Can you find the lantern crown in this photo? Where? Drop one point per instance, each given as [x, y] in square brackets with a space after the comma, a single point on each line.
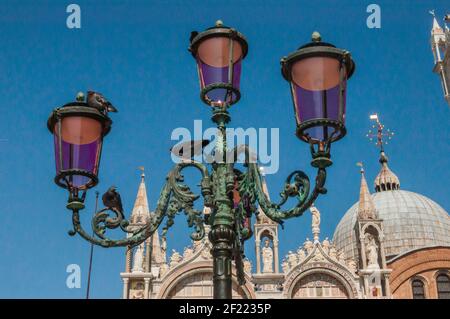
[218, 30]
[317, 48]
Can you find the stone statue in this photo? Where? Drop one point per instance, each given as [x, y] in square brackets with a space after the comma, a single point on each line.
[285, 266]
[332, 252]
[188, 252]
[175, 258]
[247, 266]
[326, 245]
[315, 222]
[292, 259]
[137, 294]
[308, 245]
[301, 254]
[352, 265]
[267, 254]
[138, 259]
[372, 252]
[196, 244]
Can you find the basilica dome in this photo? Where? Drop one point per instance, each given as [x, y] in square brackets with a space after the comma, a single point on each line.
[410, 220]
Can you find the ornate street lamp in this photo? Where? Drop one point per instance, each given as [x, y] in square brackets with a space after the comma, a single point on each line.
[219, 52]
[78, 132]
[317, 73]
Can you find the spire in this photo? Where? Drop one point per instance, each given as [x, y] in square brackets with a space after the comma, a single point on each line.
[366, 208]
[141, 215]
[437, 40]
[262, 218]
[436, 27]
[141, 212]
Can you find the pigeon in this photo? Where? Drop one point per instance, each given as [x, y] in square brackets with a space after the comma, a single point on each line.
[98, 101]
[189, 149]
[112, 200]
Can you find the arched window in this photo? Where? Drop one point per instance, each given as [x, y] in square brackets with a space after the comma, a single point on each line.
[443, 286]
[418, 289]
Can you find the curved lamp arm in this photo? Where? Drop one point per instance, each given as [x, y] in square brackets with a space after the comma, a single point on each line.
[297, 185]
[175, 197]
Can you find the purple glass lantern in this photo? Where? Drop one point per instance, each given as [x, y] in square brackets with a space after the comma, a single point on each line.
[219, 52]
[78, 132]
[318, 74]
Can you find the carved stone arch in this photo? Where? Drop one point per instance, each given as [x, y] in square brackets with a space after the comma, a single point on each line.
[302, 271]
[266, 232]
[193, 269]
[375, 226]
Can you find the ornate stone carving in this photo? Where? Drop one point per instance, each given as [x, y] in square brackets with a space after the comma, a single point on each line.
[163, 270]
[301, 254]
[328, 268]
[206, 251]
[197, 244]
[247, 266]
[308, 245]
[188, 252]
[332, 252]
[351, 264]
[138, 259]
[285, 266]
[175, 258]
[341, 256]
[317, 256]
[137, 294]
[326, 246]
[292, 259]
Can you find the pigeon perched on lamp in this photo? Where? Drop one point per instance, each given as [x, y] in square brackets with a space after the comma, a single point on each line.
[112, 200]
[98, 101]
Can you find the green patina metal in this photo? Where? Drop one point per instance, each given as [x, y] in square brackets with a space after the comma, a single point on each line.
[228, 231]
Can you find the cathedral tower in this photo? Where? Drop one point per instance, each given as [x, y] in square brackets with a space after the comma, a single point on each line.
[267, 278]
[142, 262]
[440, 45]
[370, 234]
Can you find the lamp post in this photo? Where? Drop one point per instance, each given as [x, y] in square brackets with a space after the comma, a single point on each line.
[317, 73]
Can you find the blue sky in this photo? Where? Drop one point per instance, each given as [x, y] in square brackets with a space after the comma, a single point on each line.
[135, 52]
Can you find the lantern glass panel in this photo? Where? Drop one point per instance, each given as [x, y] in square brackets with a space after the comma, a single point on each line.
[80, 148]
[213, 58]
[316, 93]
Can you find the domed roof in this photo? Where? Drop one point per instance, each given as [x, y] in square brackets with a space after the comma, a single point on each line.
[410, 221]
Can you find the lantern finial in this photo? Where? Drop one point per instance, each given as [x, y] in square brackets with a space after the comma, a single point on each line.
[219, 23]
[316, 37]
[80, 97]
